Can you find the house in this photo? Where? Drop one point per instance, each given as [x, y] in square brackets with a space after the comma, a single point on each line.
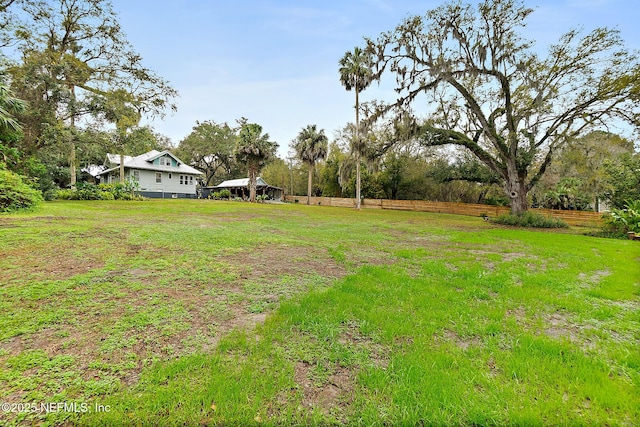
[159, 174]
[240, 188]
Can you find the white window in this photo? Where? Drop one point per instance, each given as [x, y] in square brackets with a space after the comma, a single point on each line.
[190, 180]
[181, 180]
[158, 177]
[136, 176]
[165, 161]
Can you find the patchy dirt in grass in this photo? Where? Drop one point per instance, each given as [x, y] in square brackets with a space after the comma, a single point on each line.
[378, 354]
[560, 326]
[482, 254]
[463, 343]
[519, 314]
[129, 318]
[46, 262]
[271, 262]
[8, 223]
[333, 396]
[81, 252]
[328, 387]
[592, 279]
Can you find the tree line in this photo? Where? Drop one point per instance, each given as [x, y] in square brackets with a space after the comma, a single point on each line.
[597, 168]
[481, 115]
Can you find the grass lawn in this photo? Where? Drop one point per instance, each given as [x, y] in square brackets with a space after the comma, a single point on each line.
[188, 312]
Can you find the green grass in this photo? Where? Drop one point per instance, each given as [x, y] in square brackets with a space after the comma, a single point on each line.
[221, 313]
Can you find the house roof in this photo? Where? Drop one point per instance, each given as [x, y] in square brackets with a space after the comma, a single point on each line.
[94, 170]
[162, 153]
[242, 182]
[114, 159]
[145, 162]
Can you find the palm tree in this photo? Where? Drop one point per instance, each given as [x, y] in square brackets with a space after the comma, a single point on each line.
[355, 73]
[254, 149]
[310, 146]
[9, 107]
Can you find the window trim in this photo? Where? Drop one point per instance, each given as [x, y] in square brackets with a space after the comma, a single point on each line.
[158, 177]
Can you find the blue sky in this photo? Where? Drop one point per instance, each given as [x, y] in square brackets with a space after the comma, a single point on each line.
[276, 62]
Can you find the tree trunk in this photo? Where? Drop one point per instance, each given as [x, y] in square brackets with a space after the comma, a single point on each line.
[252, 183]
[72, 154]
[121, 168]
[516, 191]
[358, 180]
[357, 148]
[72, 162]
[309, 184]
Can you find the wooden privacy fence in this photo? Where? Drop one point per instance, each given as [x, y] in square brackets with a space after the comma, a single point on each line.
[570, 217]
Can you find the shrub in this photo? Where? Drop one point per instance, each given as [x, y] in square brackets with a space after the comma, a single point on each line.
[65, 194]
[105, 195]
[624, 220]
[117, 190]
[225, 194]
[530, 219]
[88, 191]
[15, 194]
[215, 195]
[566, 195]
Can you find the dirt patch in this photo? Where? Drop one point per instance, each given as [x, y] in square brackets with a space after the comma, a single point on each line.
[594, 278]
[334, 393]
[559, 327]
[481, 254]
[378, 354]
[131, 317]
[463, 343]
[519, 315]
[230, 217]
[139, 272]
[269, 262]
[492, 367]
[48, 263]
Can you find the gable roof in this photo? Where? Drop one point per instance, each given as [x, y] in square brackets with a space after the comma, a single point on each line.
[145, 162]
[114, 159]
[162, 153]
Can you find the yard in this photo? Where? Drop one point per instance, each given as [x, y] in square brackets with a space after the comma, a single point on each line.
[190, 312]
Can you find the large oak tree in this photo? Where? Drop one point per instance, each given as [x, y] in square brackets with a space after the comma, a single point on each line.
[483, 87]
[209, 148]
